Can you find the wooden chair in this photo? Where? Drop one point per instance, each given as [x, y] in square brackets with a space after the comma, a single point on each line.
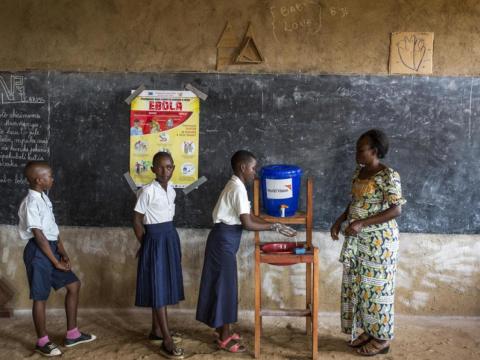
[310, 259]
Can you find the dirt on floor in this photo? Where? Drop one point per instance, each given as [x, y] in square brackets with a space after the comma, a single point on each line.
[123, 335]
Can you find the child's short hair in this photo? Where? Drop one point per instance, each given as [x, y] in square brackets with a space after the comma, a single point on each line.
[31, 166]
[240, 157]
[34, 163]
[378, 140]
[160, 155]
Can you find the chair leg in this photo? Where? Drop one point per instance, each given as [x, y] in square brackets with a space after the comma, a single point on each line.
[258, 302]
[308, 297]
[315, 305]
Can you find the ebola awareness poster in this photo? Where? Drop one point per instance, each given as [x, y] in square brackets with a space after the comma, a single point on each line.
[164, 121]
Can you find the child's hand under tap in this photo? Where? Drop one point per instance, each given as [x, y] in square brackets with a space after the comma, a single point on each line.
[283, 229]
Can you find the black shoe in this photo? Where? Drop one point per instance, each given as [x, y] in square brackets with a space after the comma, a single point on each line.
[49, 349]
[83, 338]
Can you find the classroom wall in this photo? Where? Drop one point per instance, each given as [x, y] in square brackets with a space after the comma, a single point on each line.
[438, 274]
[319, 36]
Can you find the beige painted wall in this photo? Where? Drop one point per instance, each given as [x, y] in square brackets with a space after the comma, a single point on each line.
[318, 36]
[438, 274]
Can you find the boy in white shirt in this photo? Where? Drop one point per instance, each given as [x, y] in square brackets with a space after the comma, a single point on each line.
[46, 260]
[218, 296]
[159, 274]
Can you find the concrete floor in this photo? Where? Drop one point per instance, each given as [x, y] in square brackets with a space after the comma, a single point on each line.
[122, 335]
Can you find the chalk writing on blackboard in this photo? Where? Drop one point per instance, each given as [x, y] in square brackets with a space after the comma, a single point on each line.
[22, 138]
[12, 90]
[24, 130]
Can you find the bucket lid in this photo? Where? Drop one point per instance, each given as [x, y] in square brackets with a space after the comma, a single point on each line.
[281, 169]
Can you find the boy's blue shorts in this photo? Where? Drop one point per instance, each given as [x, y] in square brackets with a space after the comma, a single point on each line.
[41, 273]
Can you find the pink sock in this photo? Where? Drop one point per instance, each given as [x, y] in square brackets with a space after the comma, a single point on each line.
[42, 341]
[73, 334]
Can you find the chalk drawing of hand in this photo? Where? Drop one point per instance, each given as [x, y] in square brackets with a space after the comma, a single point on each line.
[411, 51]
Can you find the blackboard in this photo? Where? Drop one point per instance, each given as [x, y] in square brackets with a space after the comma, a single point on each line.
[79, 122]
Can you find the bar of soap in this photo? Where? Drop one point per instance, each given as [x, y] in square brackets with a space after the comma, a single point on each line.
[299, 251]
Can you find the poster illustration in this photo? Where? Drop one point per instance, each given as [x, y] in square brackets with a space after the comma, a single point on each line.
[164, 121]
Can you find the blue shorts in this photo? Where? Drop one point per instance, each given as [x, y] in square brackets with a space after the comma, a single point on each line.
[41, 273]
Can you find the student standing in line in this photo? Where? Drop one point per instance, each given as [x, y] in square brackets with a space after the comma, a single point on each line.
[369, 253]
[46, 260]
[218, 299]
[159, 274]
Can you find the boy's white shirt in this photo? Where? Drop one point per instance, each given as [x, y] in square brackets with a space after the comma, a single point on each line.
[36, 212]
[155, 203]
[233, 202]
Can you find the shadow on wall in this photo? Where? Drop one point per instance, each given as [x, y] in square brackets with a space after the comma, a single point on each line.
[6, 295]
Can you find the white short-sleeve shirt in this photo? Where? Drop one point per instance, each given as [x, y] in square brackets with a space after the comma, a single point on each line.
[36, 212]
[155, 203]
[233, 202]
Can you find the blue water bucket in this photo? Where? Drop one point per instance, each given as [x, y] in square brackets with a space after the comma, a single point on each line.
[280, 189]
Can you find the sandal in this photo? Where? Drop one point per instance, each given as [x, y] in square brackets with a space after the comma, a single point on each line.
[373, 347]
[176, 334]
[359, 341]
[157, 340]
[175, 353]
[231, 345]
[234, 336]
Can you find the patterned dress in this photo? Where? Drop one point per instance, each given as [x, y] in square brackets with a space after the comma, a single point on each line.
[370, 258]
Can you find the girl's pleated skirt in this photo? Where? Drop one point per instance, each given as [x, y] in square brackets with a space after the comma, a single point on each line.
[159, 274]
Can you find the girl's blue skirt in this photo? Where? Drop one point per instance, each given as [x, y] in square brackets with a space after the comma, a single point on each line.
[218, 297]
[159, 274]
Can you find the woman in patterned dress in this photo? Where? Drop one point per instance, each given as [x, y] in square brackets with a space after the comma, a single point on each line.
[369, 253]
